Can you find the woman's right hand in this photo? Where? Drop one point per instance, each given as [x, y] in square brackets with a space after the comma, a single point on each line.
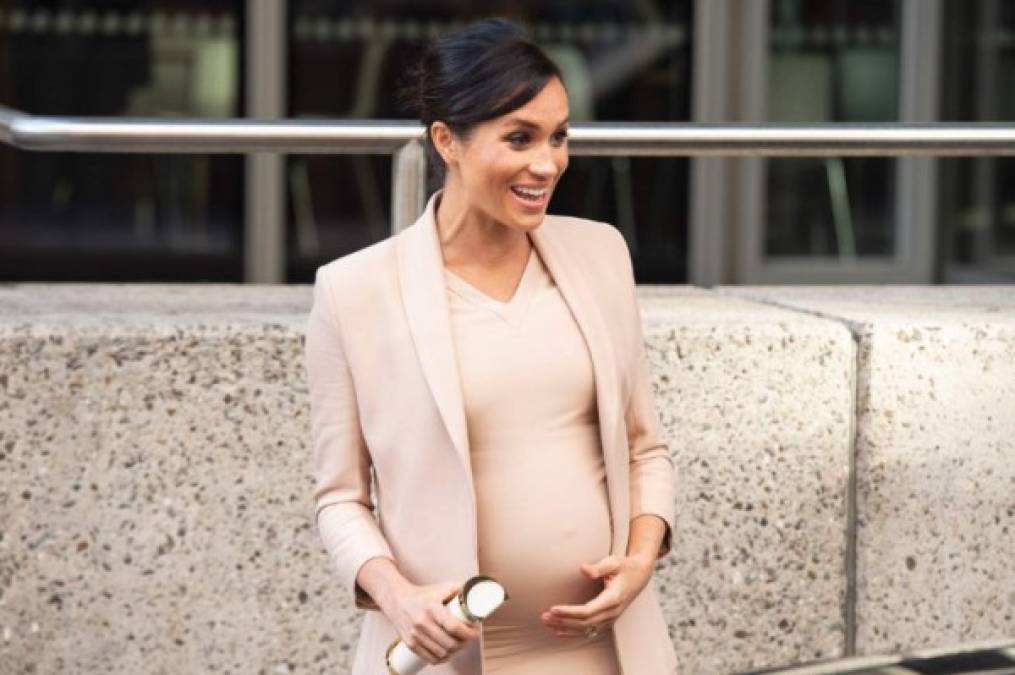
[425, 624]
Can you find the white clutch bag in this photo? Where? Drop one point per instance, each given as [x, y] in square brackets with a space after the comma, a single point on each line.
[478, 599]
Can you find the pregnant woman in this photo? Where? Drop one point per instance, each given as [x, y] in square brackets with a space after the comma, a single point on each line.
[487, 364]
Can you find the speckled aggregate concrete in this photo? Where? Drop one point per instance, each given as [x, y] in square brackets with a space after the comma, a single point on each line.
[154, 484]
[155, 481]
[756, 403]
[935, 458]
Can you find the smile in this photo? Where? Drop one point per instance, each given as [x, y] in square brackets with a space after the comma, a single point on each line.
[531, 198]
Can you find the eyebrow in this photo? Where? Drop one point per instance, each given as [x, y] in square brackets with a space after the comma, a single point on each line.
[532, 125]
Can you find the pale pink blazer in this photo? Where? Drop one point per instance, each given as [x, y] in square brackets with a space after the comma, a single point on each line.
[385, 393]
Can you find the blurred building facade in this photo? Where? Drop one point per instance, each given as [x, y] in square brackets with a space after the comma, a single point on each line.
[105, 217]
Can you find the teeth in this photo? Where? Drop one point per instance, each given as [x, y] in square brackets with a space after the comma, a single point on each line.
[529, 192]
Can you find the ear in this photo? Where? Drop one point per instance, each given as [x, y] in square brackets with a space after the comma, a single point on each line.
[444, 141]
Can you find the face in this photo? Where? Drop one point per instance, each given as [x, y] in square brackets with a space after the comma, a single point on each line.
[509, 166]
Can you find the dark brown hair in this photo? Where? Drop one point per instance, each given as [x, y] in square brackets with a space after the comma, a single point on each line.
[480, 72]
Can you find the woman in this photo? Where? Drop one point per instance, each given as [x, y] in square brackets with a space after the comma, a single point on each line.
[487, 363]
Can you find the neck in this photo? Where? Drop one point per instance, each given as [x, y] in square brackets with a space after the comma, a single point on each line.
[469, 237]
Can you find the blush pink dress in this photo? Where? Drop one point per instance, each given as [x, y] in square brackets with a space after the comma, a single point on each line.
[537, 461]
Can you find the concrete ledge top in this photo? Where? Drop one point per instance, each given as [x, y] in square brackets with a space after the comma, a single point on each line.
[94, 307]
[891, 303]
[694, 306]
[84, 307]
[156, 308]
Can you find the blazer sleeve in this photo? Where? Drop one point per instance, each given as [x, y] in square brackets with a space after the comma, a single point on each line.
[344, 512]
[651, 467]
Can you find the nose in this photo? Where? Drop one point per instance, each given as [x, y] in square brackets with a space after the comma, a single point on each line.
[544, 164]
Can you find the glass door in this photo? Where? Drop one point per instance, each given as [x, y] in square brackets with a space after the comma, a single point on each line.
[977, 194]
[121, 217]
[837, 219]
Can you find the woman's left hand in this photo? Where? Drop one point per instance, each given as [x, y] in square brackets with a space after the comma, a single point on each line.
[623, 578]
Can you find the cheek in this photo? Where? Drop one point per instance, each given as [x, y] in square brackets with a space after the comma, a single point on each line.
[500, 169]
[562, 160]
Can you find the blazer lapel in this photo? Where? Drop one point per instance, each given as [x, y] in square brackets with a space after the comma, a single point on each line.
[421, 278]
[574, 283]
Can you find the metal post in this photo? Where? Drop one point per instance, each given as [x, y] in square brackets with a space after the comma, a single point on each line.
[916, 208]
[408, 185]
[751, 202]
[988, 70]
[709, 215]
[264, 227]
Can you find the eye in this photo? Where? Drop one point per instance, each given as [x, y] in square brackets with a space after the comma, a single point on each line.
[521, 138]
[518, 138]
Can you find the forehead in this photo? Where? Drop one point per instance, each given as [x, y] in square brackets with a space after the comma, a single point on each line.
[548, 108]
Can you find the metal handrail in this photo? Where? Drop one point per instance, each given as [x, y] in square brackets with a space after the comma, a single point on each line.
[660, 139]
[402, 140]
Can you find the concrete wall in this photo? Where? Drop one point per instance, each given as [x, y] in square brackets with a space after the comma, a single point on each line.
[155, 476]
[934, 454]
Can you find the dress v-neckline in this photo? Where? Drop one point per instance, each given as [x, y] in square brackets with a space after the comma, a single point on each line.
[512, 310]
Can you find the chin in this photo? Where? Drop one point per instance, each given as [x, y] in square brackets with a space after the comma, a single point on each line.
[526, 219]
[529, 221]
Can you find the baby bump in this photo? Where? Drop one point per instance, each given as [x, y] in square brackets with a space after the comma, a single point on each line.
[543, 510]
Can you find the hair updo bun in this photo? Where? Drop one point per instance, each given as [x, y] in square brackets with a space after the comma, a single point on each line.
[483, 71]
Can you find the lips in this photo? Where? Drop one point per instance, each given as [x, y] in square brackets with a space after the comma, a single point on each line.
[531, 197]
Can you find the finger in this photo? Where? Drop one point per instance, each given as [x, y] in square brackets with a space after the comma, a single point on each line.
[436, 632]
[560, 631]
[424, 648]
[604, 567]
[554, 622]
[571, 633]
[602, 602]
[450, 592]
[459, 629]
[581, 625]
[565, 633]
[425, 640]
